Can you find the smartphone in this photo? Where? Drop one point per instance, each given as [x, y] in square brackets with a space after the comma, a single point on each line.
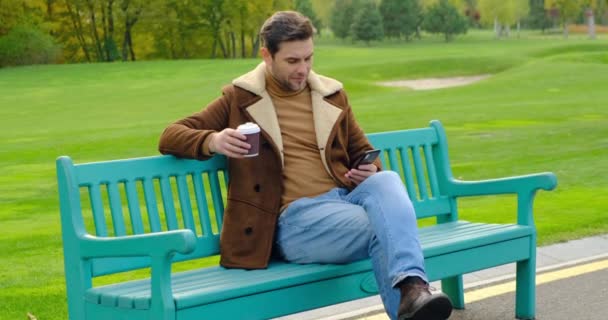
[367, 158]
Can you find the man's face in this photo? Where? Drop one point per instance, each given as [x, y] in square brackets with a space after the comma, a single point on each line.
[291, 64]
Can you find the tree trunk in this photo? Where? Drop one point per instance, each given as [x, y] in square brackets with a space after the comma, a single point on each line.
[497, 28]
[131, 46]
[110, 36]
[77, 24]
[222, 46]
[255, 45]
[130, 21]
[233, 40]
[100, 53]
[50, 9]
[590, 22]
[104, 28]
[125, 43]
[214, 49]
[565, 30]
[243, 49]
[518, 29]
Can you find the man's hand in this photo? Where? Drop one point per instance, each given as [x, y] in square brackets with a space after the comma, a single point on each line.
[229, 142]
[364, 171]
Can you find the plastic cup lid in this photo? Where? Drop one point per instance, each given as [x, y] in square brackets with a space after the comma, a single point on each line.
[248, 127]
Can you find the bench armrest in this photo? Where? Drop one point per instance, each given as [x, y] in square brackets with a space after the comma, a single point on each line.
[160, 247]
[517, 184]
[149, 244]
[524, 186]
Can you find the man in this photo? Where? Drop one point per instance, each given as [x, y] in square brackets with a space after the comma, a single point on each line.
[300, 197]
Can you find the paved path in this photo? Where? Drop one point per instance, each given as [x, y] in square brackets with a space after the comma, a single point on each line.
[550, 260]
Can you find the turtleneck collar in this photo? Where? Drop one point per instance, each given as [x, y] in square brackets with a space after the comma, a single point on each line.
[275, 88]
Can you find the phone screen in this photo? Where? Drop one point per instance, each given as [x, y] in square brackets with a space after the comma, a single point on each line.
[367, 158]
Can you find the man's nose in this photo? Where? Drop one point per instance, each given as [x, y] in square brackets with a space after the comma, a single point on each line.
[302, 67]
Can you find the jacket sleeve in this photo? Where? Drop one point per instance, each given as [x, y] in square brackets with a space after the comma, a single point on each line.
[357, 140]
[185, 138]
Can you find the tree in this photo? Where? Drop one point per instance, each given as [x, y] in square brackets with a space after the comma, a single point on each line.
[568, 11]
[367, 25]
[342, 18]
[400, 17]
[589, 7]
[213, 15]
[323, 10]
[503, 13]
[305, 8]
[444, 18]
[538, 17]
[131, 10]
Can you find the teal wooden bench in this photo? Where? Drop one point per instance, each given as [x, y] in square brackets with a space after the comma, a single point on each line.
[151, 212]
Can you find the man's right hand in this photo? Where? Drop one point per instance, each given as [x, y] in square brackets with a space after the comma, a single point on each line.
[229, 142]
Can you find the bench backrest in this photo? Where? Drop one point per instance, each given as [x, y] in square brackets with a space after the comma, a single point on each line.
[142, 195]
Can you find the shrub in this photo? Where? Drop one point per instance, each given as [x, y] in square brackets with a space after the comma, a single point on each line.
[367, 25]
[444, 18]
[25, 45]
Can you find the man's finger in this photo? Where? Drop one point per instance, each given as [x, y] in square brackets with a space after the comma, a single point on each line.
[240, 143]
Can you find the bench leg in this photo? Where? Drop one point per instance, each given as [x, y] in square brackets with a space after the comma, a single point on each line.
[525, 303]
[453, 287]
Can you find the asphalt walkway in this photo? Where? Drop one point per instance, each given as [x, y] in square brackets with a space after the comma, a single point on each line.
[572, 283]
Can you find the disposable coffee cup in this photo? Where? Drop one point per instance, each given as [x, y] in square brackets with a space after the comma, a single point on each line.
[252, 132]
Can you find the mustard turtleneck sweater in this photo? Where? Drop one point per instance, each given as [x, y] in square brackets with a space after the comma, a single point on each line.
[303, 174]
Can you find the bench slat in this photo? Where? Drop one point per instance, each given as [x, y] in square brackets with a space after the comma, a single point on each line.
[101, 229]
[420, 177]
[184, 200]
[168, 206]
[151, 205]
[430, 162]
[118, 221]
[407, 174]
[216, 193]
[134, 210]
[201, 204]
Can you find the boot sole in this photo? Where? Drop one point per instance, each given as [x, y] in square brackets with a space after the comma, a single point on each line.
[437, 308]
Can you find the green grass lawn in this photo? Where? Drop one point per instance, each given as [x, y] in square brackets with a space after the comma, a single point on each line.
[545, 108]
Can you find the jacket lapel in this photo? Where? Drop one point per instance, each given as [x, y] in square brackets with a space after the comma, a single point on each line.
[325, 116]
[264, 114]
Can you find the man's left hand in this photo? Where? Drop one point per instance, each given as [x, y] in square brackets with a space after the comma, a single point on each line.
[364, 171]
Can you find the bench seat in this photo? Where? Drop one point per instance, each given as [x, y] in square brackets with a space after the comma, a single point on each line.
[214, 284]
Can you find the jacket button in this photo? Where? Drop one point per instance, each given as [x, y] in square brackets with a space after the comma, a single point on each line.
[248, 230]
[257, 188]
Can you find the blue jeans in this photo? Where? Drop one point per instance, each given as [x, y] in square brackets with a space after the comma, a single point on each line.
[374, 220]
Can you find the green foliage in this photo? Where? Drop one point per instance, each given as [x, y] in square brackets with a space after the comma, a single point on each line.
[568, 9]
[400, 17]
[538, 17]
[305, 8]
[505, 12]
[342, 15]
[367, 25]
[19, 12]
[25, 45]
[444, 18]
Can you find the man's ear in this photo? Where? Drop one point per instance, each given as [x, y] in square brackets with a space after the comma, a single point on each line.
[265, 53]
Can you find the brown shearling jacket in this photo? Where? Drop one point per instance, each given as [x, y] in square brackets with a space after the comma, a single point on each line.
[254, 191]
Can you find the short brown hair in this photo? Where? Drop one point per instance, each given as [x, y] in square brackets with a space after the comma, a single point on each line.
[284, 26]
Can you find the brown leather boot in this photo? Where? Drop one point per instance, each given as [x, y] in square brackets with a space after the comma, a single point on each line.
[417, 302]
